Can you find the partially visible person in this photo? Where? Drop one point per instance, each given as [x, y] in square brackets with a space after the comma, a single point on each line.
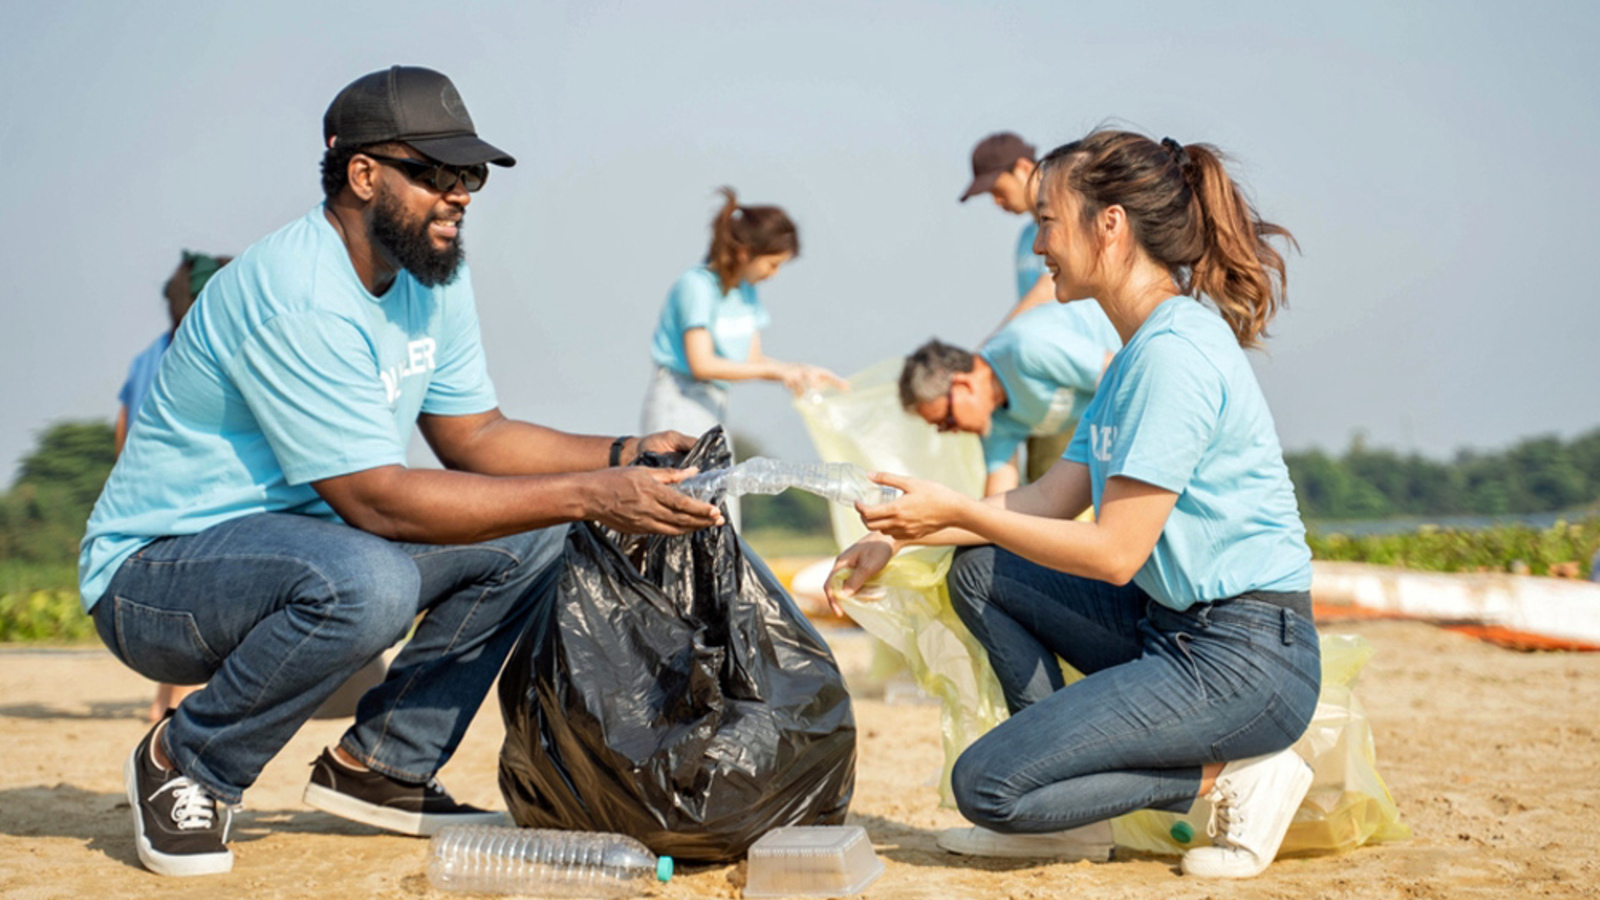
[181, 290]
[709, 331]
[1032, 379]
[1186, 601]
[1003, 167]
[261, 531]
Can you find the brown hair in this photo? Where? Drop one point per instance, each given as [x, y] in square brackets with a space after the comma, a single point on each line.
[741, 232]
[1188, 215]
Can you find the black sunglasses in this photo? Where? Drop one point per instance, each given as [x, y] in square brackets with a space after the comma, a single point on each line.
[438, 176]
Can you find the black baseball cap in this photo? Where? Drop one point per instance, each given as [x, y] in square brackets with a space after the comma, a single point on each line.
[411, 105]
[994, 155]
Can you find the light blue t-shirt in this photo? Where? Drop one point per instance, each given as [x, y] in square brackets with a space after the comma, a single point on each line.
[697, 301]
[141, 372]
[1030, 266]
[1049, 361]
[1180, 409]
[285, 372]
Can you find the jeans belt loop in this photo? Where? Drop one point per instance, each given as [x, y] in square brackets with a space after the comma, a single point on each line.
[1288, 625]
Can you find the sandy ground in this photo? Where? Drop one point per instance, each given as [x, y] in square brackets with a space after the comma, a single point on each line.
[1492, 755]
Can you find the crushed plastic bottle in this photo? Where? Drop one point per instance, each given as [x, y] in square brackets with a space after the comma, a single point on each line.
[839, 482]
[542, 862]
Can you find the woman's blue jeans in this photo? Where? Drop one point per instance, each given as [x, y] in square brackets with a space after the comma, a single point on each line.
[1164, 693]
[276, 611]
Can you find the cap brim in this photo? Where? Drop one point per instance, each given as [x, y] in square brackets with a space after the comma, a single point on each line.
[461, 150]
[980, 185]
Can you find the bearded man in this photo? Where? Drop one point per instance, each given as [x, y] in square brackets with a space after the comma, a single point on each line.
[262, 533]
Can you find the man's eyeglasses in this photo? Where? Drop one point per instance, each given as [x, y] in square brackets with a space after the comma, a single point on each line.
[440, 177]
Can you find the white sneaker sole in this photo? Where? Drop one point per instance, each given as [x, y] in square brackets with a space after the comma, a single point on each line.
[153, 859]
[396, 820]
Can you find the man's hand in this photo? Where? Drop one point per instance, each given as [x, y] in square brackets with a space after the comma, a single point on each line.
[859, 563]
[636, 500]
[660, 442]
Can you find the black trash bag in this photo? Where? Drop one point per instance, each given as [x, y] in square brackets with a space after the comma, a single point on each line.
[674, 693]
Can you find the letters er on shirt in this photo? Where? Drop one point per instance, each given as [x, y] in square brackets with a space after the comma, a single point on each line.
[419, 361]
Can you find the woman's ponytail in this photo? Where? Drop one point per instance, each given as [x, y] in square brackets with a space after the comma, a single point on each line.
[1238, 269]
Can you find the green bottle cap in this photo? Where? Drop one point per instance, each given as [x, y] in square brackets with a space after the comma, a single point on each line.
[1182, 832]
[664, 869]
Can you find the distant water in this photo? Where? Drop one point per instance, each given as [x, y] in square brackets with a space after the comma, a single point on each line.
[1406, 524]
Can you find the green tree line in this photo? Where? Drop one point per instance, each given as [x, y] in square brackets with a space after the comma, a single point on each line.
[42, 516]
[1539, 474]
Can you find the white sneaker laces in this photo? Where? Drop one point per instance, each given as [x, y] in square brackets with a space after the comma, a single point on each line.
[1226, 816]
[192, 808]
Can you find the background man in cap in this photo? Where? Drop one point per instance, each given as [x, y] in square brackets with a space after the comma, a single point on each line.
[1002, 167]
[261, 529]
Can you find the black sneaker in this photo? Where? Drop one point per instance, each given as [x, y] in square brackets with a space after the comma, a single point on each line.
[375, 799]
[179, 828]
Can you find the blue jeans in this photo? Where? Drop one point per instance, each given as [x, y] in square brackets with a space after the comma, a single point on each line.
[276, 611]
[1164, 693]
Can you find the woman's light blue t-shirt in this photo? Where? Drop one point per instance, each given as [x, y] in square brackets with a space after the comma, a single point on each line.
[1049, 361]
[1179, 408]
[285, 372]
[697, 301]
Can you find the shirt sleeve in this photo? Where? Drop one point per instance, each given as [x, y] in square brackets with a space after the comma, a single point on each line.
[1004, 436]
[693, 297]
[1167, 415]
[460, 383]
[311, 381]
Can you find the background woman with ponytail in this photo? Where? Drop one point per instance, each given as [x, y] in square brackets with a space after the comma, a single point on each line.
[1186, 601]
[709, 332]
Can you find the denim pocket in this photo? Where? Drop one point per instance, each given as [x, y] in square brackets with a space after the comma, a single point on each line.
[162, 644]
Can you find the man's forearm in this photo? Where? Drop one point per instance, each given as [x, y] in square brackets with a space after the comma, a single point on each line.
[510, 447]
[443, 507]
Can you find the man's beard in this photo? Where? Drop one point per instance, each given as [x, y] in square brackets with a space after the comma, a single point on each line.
[412, 246]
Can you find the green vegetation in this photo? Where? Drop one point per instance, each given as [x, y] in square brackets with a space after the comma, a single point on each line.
[1564, 549]
[1536, 475]
[41, 522]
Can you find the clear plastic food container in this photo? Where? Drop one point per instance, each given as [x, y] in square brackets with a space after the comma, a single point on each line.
[812, 861]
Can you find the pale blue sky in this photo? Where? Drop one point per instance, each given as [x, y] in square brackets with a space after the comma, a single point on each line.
[1437, 163]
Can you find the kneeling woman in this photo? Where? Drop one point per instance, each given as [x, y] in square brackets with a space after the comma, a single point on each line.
[1186, 601]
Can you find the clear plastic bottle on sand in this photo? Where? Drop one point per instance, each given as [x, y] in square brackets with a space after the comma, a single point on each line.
[839, 482]
[542, 863]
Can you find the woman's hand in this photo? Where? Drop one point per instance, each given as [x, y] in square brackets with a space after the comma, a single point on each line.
[924, 508]
[859, 563]
[800, 378]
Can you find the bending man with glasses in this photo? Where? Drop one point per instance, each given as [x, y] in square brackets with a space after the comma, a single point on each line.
[261, 531]
[1034, 378]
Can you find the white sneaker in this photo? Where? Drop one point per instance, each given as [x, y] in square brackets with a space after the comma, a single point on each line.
[1252, 803]
[1092, 842]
